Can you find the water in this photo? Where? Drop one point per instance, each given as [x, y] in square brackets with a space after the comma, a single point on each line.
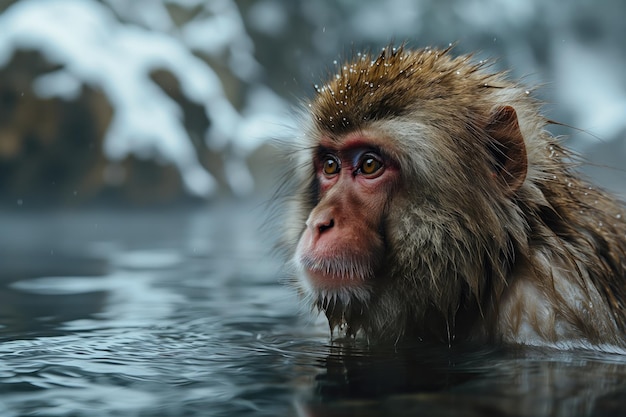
[108, 313]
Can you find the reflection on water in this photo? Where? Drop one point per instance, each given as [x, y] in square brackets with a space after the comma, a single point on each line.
[427, 380]
[183, 313]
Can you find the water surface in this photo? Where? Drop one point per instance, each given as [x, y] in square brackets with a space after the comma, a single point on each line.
[183, 313]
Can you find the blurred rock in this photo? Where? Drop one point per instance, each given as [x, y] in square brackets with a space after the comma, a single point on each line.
[51, 149]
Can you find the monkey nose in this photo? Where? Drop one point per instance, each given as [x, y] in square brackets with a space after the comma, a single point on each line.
[319, 224]
[323, 226]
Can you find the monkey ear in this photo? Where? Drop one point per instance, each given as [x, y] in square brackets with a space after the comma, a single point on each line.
[508, 149]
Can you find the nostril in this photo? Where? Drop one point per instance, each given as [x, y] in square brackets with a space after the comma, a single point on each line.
[328, 225]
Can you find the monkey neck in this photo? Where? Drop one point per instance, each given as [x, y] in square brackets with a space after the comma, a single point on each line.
[568, 280]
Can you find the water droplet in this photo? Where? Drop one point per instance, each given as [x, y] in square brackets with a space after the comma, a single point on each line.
[371, 85]
[335, 62]
[619, 216]
[458, 73]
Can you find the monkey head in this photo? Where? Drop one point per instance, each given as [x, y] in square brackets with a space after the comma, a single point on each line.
[422, 186]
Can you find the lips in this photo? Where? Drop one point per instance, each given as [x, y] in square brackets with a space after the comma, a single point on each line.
[331, 279]
[335, 272]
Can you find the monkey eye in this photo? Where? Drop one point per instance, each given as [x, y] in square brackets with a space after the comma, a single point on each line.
[370, 165]
[331, 165]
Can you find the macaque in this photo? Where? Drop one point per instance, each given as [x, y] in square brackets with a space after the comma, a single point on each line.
[432, 204]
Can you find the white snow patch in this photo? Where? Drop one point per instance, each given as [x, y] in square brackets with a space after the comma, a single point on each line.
[95, 49]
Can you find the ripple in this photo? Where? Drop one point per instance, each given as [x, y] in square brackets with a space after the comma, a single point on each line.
[156, 330]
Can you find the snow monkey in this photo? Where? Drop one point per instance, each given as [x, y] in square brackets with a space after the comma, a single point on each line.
[431, 203]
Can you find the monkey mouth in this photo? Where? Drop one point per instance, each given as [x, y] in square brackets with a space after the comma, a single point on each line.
[335, 274]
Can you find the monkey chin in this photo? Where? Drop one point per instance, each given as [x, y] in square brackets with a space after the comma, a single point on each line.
[335, 286]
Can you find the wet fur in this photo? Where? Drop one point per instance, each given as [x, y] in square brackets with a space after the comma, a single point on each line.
[464, 260]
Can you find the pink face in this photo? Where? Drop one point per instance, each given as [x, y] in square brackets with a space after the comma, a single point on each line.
[342, 245]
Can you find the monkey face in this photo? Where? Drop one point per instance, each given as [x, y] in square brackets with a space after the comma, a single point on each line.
[392, 226]
[341, 248]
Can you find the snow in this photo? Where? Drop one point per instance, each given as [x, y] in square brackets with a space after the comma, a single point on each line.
[113, 46]
[96, 49]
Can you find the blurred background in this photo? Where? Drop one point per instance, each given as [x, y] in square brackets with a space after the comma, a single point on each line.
[162, 102]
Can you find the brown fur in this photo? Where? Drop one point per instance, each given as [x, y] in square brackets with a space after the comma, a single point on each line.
[536, 256]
